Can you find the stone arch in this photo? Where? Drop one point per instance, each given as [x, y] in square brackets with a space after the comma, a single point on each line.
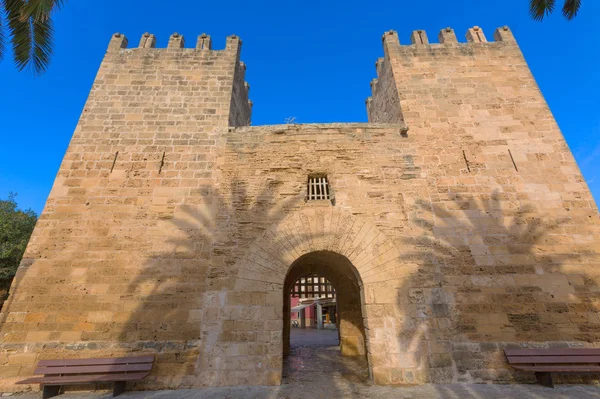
[346, 280]
[309, 230]
[251, 311]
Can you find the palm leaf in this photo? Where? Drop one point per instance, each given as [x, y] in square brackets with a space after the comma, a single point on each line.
[42, 45]
[20, 31]
[40, 10]
[570, 8]
[31, 37]
[2, 37]
[538, 9]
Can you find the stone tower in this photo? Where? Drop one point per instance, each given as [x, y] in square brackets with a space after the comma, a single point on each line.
[455, 223]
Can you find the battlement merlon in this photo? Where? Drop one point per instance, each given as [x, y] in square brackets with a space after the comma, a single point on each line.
[147, 40]
[504, 34]
[204, 42]
[117, 42]
[447, 38]
[176, 41]
[419, 38]
[234, 44]
[390, 41]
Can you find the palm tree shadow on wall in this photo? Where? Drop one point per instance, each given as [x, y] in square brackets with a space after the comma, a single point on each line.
[164, 304]
[162, 307]
[488, 278]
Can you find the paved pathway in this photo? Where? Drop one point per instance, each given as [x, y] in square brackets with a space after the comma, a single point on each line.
[315, 359]
[311, 336]
[336, 390]
[315, 370]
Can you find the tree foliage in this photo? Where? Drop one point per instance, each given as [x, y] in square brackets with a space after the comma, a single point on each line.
[28, 25]
[16, 226]
[541, 8]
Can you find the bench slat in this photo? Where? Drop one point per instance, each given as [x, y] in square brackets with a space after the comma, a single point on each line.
[552, 352]
[545, 362]
[560, 369]
[110, 368]
[96, 362]
[84, 379]
[553, 359]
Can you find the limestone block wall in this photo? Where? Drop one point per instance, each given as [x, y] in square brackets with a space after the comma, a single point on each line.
[488, 235]
[106, 272]
[266, 225]
[507, 233]
[384, 105]
[241, 107]
[458, 259]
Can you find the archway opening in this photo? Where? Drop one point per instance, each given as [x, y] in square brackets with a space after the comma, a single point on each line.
[314, 317]
[323, 327]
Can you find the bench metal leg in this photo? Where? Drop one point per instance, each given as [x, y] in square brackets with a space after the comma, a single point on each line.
[118, 388]
[544, 379]
[49, 391]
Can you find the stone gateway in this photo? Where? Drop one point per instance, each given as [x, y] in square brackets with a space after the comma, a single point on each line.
[454, 224]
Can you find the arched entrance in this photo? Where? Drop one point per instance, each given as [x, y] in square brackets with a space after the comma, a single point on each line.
[344, 278]
[246, 325]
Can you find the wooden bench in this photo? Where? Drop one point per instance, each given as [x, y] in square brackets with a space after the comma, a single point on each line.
[544, 362]
[117, 370]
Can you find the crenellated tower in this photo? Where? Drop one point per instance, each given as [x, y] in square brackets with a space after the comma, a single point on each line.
[145, 151]
[416, 79]
[200, 84]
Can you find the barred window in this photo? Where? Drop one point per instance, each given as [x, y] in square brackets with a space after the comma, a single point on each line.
[318, 188]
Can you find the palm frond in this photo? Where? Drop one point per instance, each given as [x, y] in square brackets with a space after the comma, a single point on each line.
[42, 45]
[20, 31]
[570, 9]
[40, 10]
[538, 9]
[31, 37]
[2, 37]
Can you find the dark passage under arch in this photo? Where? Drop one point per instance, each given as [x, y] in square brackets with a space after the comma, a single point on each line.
[348, 286]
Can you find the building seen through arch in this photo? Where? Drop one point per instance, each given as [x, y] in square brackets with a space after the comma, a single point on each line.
[313, 303]
[452, 225]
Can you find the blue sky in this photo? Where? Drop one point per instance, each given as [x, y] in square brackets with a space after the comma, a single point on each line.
[312, 60]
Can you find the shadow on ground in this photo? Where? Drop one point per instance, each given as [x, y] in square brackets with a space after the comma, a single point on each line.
[326, 389]
[315, 359]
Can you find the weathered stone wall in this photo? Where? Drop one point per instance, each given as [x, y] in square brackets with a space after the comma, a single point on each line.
[241, 107]
[182, 245]
[106, 271]
[265, 225]
[507, 232]
[384, 105]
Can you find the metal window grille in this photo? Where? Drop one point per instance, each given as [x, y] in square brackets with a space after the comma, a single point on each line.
[312, 286]
[318, 188]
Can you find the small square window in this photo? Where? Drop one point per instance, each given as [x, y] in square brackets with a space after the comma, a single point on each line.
[318, 188]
